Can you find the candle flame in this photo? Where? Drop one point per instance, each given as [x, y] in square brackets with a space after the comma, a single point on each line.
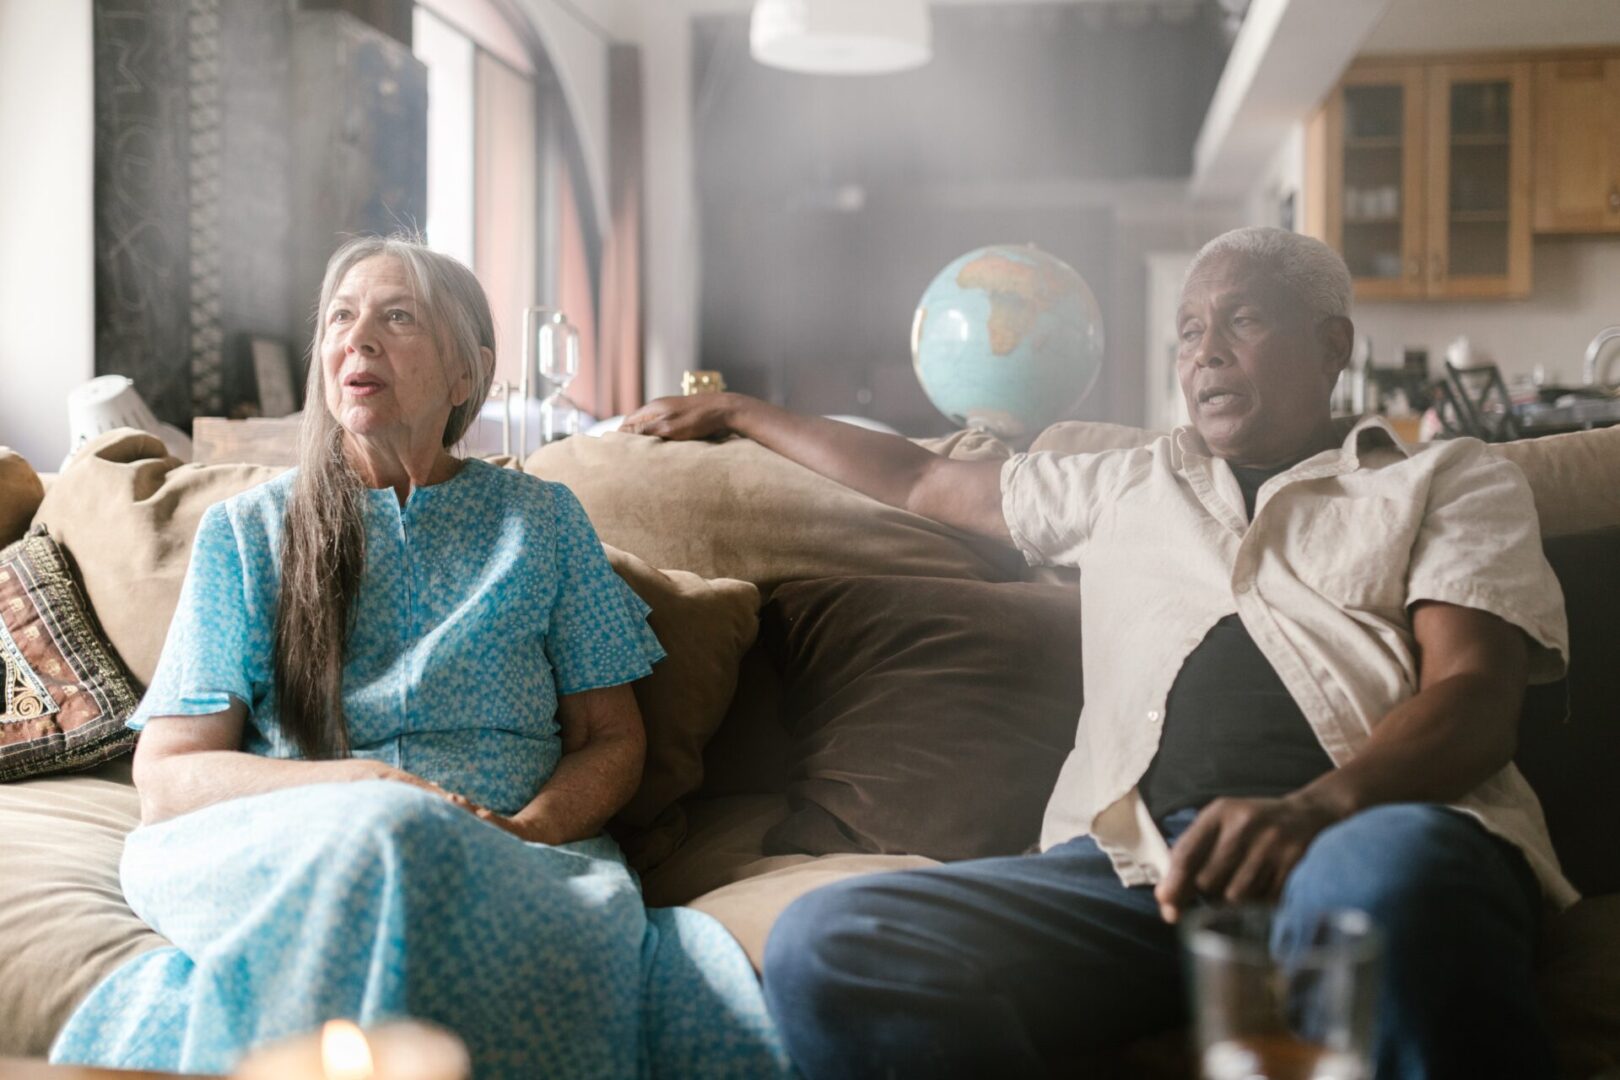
[344, 1053]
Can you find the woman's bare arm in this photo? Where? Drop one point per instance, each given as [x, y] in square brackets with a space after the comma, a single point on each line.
[891, 469]
[183, 763]
[604, 746]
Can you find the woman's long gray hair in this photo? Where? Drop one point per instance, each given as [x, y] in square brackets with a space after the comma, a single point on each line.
[323, 548]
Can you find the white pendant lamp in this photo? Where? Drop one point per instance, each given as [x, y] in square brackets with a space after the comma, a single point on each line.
[841, 37]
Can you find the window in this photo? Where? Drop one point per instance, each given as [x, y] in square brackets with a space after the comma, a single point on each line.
[502, 183]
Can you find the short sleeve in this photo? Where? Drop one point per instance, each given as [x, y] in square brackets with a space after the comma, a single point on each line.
[1479, 546]
[206, 657]
[597, 634]
[1050, 502]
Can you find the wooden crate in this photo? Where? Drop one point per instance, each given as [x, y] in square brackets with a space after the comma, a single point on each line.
[218, 441]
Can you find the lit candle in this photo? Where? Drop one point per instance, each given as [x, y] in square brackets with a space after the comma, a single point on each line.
[344, 1052]
[407, 1050]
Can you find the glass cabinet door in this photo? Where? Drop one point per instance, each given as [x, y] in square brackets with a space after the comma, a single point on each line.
[1376, 147]
[1479, 191]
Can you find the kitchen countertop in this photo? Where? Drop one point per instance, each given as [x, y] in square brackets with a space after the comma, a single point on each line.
[1581, 413]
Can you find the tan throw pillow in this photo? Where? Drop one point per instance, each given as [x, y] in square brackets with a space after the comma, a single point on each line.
[705, 627]
[735, 509]
[64, 696]
[1575, 478]
[126, 512]
[20, 492]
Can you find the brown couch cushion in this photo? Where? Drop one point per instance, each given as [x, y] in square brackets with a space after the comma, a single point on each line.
[723, 844]
[735, 509]
[930, 717]
[64, 696]
[1569, 731]
[749, 754]
[20, 492]
[64, 925]
[705, 626]
[1579, 984]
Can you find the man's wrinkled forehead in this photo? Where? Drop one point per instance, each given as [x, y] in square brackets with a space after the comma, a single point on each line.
[1228, 280]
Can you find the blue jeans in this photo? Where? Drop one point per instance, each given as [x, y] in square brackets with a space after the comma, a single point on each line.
[1017, 966]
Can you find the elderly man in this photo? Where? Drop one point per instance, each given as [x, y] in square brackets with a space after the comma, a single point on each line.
[1305, 647]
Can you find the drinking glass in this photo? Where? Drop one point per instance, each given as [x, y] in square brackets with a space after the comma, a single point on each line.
[1275, 1000]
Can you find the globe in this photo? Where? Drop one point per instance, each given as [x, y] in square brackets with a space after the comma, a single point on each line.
[1007, 339]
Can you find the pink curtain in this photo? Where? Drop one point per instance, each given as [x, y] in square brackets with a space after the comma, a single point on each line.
[621, 307]
[620, 382]
[575, 296]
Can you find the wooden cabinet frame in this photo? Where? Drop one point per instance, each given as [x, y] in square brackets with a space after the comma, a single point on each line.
[1326, 144]
[1516, 281]
[1576, 185]
[1425, 84]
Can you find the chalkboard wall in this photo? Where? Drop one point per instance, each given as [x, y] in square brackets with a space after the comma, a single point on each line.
[237, 142]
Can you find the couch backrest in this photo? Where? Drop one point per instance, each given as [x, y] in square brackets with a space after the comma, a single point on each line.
[735, 509]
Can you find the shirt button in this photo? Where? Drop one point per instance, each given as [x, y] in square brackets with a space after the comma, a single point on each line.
[1153, 716]
[1242, 587]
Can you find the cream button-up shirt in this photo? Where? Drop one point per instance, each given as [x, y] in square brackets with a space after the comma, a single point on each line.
[1324, 578]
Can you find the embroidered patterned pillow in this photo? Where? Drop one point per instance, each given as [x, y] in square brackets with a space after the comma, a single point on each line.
[64, 694]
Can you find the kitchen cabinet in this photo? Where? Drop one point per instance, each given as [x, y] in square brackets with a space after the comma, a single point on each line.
[1419, 174]
[1577, 145]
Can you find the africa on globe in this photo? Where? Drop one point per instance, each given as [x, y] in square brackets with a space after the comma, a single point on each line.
[1007, 339]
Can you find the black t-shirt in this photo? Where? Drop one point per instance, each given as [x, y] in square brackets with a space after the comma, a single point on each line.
[1230, 726]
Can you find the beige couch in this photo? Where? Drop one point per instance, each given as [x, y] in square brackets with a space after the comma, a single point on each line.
[718, 511]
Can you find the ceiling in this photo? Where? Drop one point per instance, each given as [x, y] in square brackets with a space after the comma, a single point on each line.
[1457, 25]
[1407, 25]
[719, 6]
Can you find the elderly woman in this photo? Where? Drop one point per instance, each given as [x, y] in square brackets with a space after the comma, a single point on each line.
[390, 720]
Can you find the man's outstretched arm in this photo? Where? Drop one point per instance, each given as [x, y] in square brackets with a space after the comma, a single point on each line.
[1454, 734]
[891, 469]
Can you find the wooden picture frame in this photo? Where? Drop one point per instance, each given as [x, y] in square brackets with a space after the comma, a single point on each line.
[273, 377]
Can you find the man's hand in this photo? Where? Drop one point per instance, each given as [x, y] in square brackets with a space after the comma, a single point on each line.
[699, 416]
[1239, 850]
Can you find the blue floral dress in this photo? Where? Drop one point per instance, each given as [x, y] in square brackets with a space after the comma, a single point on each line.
[483, 599]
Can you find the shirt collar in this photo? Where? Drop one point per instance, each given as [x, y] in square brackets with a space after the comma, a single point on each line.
[1358, 434]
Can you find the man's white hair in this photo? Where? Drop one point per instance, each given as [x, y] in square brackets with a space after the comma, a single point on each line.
[1312, 268]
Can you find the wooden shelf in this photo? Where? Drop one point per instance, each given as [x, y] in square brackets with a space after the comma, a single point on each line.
[1479, 140]
[1480, 217]
[1392, 220]
[1373, 142]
